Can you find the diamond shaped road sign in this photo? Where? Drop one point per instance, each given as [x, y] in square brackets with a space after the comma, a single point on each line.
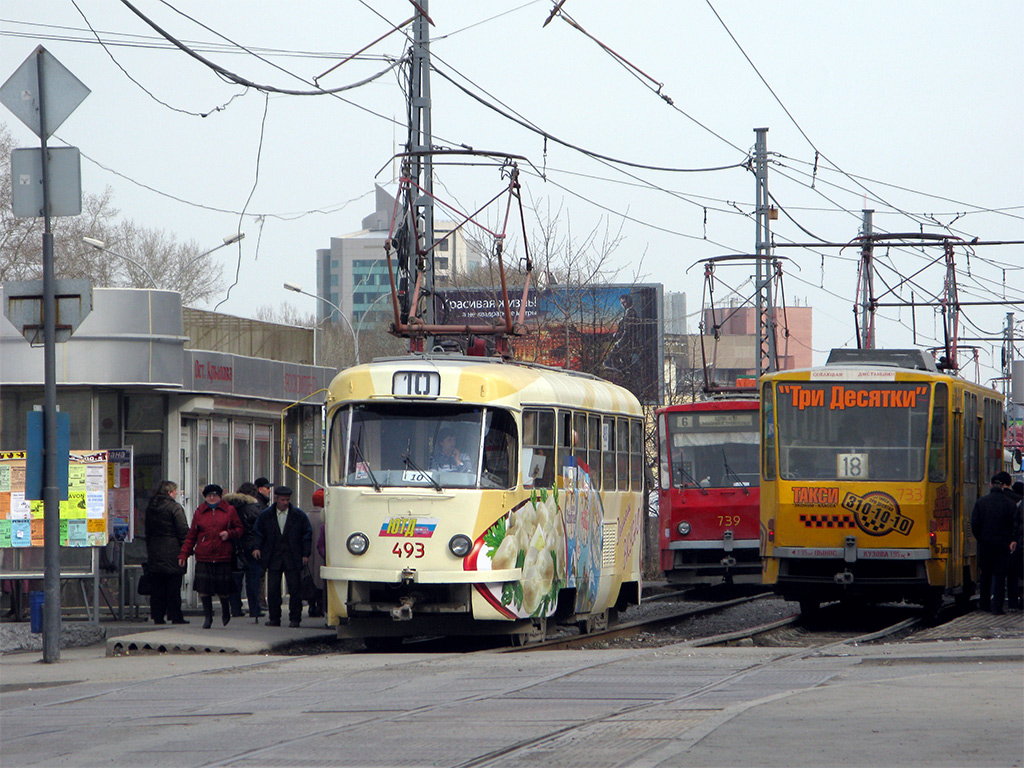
[62, 91]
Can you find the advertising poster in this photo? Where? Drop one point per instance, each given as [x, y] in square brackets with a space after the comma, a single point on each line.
[96, 511]
[611, 331]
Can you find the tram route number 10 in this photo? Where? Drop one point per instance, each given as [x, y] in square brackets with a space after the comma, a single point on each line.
[851, 466]
[416, 383]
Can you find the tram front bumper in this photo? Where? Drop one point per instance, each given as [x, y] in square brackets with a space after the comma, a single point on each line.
[408, 575]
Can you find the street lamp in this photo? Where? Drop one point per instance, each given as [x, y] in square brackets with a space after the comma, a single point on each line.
[295, 287]
[229, 240]
[99, 245]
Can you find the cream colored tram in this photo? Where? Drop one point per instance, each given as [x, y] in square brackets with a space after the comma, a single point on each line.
[537, 520]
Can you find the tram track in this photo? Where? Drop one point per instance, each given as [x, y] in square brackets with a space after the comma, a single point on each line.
[500, 756]
[632, 628]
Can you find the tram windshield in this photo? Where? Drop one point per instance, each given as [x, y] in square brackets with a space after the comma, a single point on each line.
[852, 431]
[422, 445]
[713, 449]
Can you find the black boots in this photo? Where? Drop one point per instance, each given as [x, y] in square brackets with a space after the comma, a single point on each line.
[207, 610]
[225, 609]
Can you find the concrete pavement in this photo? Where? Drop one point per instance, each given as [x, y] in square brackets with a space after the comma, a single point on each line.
[953, 700]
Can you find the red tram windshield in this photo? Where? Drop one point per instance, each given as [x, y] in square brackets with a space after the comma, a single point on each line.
[713, 449]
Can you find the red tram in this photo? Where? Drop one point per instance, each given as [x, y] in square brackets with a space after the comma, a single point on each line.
[709, 494]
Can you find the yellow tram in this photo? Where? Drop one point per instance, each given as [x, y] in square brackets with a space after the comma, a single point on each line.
[470, 495]
[870, 467]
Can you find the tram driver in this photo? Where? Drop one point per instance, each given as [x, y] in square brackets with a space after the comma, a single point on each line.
[447, 455]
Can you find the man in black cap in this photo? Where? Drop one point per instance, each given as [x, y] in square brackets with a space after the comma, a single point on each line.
[282, 541]
[992, 523]
[262, 491]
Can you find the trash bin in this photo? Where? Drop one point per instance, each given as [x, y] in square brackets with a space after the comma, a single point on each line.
[36, 611]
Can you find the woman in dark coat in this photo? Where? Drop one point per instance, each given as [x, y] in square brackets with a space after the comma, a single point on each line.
[166, 529]
[215, 525]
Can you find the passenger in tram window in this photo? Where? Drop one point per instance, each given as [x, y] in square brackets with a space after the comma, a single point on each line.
[447, 454]
[995, 521]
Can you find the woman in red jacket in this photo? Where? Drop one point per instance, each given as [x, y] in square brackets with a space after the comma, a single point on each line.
[214, 525]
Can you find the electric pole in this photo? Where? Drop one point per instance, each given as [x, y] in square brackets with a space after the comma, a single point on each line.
[421, 166]
[866, 337]
[766, 357]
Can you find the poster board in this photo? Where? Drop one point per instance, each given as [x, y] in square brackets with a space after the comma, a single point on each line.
[98, 508]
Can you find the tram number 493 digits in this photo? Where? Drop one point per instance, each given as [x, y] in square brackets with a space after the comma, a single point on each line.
[408, 549]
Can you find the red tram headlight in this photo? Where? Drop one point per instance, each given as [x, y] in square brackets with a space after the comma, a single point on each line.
[357, 543]
[683, 528]
[771, 529]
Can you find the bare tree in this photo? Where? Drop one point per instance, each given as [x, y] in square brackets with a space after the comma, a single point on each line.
[142, 252]
[334, 341]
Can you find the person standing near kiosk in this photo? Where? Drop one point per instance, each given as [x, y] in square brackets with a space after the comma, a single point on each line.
[282, 542]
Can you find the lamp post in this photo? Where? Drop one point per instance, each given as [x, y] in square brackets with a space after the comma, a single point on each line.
[229, 240]
[99, 245]
[296, 288]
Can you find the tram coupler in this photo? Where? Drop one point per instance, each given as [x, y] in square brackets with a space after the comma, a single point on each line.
[850, 551]
[727, 542]
[843, 578]
[403, 612]
[729, 562]
[408, 576]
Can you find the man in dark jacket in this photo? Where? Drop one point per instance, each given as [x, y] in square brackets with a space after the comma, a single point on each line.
[248, 507]
[282, 541]
[992, 522]
[262, 491]
[166, 529]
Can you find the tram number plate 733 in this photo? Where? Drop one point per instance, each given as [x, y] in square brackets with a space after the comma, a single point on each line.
[408, 549]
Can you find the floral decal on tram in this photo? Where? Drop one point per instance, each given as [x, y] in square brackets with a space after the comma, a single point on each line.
[555, 537]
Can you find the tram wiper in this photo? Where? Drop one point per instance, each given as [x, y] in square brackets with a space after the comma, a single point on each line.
[728, 471]
[693, 480]
[413, 466]
[362, 458]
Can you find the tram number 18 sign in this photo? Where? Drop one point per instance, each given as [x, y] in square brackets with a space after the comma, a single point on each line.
[416, 384]
[852, 466]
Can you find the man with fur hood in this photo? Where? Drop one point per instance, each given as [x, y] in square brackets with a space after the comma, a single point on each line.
[247, 505]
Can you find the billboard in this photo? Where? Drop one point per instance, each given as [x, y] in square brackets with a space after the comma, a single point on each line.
[612, 331]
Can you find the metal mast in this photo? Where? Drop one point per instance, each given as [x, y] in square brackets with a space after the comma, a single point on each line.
[766, 356]
[866, 337]
[421, 165]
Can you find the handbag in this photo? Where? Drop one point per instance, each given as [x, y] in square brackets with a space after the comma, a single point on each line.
[308, 588]
[145, 585]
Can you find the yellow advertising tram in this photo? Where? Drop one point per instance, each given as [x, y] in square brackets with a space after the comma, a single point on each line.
[470, 495]
[870, 467]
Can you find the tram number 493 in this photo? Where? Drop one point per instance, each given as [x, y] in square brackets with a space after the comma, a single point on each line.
[408, 549]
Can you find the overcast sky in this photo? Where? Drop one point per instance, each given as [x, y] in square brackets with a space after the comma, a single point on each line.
[913, 109]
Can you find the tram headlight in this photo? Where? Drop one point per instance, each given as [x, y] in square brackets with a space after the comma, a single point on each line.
[460, 544]
[683, 528]
[357, 543]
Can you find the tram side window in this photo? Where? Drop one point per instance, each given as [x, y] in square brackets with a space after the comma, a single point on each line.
[768, 431]
[993, 437]
[970, 439]
[538, 457]
[663, 454]
[636, 454]
[622, 454]
[500, 450]
[579, 437]
[594, 449]
[336, 469]
[937, 448]
[608, 445]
